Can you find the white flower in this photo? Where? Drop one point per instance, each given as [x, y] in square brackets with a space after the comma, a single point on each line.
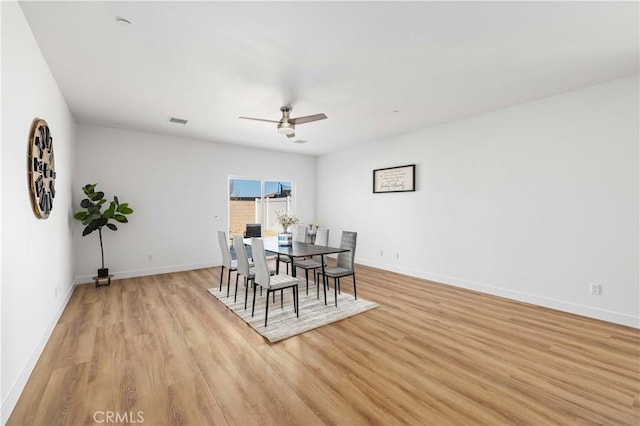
[286, 220]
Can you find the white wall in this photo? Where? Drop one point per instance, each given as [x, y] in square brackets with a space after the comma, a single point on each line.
[178, 189]
[533, 202]
[37, 255]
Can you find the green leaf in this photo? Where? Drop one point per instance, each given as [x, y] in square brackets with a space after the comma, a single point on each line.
[86, 203]
[88, 189]
[115, 198]
[102, 222]
[88, 230]
[124, 207]
[80, 215]
[97, 196]
[110, 211]
[120, 218]
[101, 202]
[112, 226]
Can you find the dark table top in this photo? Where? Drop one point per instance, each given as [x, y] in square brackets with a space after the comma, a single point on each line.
[297, 249]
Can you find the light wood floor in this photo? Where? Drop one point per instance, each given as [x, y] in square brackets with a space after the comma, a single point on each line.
[163, 350]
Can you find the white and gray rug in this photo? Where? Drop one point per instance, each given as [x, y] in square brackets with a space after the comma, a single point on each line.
[283, 322]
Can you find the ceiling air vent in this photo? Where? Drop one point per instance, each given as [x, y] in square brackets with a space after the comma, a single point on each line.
[177, 120]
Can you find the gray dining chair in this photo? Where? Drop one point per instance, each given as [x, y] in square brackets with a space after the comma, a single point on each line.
[244, 267]
[299, 235]
[227, 262]
[344, 265]
[313, 264]
[270, 282]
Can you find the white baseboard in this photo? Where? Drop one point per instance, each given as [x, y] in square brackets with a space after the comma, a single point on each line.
[547, 302]
[83, 279]
[16, 390]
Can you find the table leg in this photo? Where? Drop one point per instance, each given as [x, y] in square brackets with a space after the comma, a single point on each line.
[293, 274]
[324, 277]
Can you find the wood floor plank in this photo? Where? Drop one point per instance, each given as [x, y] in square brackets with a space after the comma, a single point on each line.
[192, 403]
[160, 349]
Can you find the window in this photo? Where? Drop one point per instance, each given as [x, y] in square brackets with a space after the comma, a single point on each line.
[258, 201]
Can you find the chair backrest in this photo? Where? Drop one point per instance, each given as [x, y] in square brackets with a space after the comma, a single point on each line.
[322, 237]
[241, 254]
[348, 241]
[260, 266]
[253, 230]
[224, 249]
[300, 234]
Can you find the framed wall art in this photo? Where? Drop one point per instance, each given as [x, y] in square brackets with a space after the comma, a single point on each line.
[395, 179]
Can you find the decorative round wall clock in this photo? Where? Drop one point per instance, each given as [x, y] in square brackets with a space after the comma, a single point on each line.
[42, 169]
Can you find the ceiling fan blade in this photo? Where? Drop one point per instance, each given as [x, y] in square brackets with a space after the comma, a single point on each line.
[292, 135]
[260, 119]
[307, 118]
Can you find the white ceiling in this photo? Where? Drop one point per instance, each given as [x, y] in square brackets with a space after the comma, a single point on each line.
[433, 62]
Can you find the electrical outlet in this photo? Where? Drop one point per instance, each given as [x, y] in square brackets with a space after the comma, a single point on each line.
[595, 289]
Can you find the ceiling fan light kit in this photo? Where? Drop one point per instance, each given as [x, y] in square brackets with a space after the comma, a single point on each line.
[287, 125]
[286, 128]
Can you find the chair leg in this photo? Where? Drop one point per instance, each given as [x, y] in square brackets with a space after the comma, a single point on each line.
[306, 275]
[221, 274]
[355, 294]
[296, 302]
[281, 298]
[253, 307]
[266, 308]
[325, 284]
[246, 291]
[228, 281]
[335, 289]
[293, 294]
[235, 293]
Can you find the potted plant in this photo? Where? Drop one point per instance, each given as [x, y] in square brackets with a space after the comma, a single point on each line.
[286, 220]
[93, 218]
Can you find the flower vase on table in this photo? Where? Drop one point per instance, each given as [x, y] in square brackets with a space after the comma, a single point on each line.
[286, 220]
[285, 238]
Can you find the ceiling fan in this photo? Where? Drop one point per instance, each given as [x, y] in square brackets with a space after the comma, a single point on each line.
[287, 125]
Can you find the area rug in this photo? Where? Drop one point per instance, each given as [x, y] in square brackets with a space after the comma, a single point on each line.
[283, 322]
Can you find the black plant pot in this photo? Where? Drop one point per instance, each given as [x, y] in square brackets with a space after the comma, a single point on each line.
[104, 272]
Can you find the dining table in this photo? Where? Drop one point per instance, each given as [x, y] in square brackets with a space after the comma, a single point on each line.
[298, 250]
